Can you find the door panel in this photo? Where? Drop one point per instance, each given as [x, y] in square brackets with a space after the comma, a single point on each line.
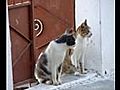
[20, 32]
[56, 16]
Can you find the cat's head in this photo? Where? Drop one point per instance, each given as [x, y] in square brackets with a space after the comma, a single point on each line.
[84, 29]
[68, 37]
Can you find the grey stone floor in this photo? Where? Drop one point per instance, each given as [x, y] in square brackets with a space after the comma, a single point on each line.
[89, 81]
[99, 85]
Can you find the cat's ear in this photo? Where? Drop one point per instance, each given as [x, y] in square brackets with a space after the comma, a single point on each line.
[69, 30]
[85, 22]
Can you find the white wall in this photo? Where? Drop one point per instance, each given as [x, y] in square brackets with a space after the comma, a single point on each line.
[107, 27]
[9, 76]
[89, 9]
[100, 55]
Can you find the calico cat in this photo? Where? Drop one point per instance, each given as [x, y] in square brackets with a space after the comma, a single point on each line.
[68, 67]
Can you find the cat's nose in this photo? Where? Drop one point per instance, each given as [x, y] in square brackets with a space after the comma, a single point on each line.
[90, 34]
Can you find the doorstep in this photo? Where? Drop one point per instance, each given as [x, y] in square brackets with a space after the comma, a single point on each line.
[68, 81]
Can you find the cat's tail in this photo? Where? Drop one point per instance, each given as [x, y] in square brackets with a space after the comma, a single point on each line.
[43, 79]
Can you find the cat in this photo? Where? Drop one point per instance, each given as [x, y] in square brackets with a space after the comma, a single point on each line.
[77, 58]
[74, 59]
[48, 67]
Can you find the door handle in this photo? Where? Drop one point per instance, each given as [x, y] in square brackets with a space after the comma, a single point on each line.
[38, 26]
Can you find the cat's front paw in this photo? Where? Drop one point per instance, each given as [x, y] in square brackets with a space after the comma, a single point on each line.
[56, 83]
[77, 73]
[84, 72]
[49, 82]
[60, 82]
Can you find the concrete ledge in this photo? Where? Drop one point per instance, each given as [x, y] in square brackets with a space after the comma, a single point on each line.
[68, 82]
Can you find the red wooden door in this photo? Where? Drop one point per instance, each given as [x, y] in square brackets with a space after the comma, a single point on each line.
[54, 16]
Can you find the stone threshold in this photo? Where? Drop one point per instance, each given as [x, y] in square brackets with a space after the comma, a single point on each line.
[69, 81]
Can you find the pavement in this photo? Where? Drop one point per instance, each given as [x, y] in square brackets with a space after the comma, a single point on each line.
[99, 85]
[89, 81]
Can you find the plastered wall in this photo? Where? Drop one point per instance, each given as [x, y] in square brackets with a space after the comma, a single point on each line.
[100, 16]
